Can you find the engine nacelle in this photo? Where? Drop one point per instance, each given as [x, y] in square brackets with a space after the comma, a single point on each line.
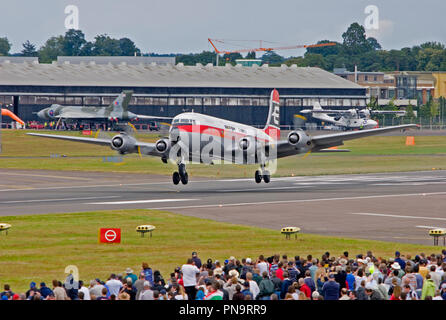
[123, 143]
[299, 139]
[246, 144]
[162, 145]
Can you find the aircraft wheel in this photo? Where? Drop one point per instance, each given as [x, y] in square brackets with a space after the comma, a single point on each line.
[258, 176]
[176, 177]
[182, 169]
[185, 178]
[266, 176]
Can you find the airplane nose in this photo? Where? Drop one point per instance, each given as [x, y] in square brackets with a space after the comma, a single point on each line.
[43, 114]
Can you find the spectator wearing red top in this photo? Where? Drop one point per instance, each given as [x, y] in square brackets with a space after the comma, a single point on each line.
[304, 288]
[279, 271]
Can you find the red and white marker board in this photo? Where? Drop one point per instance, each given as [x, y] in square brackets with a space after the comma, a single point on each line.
[109, 235]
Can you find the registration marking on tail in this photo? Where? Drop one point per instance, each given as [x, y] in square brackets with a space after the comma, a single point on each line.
[142, 201]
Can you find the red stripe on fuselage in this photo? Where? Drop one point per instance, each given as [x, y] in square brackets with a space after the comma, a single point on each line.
[214, 131]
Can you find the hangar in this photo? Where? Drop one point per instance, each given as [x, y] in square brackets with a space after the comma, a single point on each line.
[232, 92]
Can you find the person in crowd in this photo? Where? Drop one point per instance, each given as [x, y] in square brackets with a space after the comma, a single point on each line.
[190, 272]
[266, 287]
[59, 291]
[114, 285]
[330, 290]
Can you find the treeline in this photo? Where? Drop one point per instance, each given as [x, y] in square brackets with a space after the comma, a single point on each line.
[356, 49]
[73, 43]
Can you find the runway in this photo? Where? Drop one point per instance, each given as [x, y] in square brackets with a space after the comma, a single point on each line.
[399, 207]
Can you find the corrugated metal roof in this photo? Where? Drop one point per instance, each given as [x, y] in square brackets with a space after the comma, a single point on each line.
[153, 75]
[116, 59]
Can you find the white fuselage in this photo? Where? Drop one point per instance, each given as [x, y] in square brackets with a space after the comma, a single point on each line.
[200, 133]
[347, 122]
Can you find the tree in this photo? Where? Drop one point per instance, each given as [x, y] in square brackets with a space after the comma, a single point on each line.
[326, 51]
[52, 48]
[231, 57]
[272, 58]
[193, 58]
[251, 55]
[5, 46]
[128, 47]
[314, 60]
[104, 45]
[373, 43]
[355, 40]
[29, 50]
[73, 42]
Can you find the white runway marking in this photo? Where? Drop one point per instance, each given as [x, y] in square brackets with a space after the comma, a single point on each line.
[428, 227]
[143, 201]
[397, 216]
[60, 199]
[306, 200]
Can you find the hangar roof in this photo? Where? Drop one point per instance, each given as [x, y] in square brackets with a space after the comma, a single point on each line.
[153, 75]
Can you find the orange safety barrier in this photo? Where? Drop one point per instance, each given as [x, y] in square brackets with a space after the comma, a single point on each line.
[6, 112]
[410, 141]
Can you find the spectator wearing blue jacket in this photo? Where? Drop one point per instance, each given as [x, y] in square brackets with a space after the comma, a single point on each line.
[330, 290]
[44, 290]
[285, 285]
[400, 261]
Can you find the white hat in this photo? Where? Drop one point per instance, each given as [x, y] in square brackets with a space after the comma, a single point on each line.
[233, 273]
[248, 260]
[362, 261]
[231, 258]
[396, 266]
[146, 284]
[370, 286]
[343, 261]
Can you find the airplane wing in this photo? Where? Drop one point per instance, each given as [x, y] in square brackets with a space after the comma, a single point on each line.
[141, 116]
[321, 143]
[78, 115]
[327, 111]
[337, 139]
[144, 147]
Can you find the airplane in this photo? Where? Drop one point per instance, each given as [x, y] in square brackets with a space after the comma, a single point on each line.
[116, 111]
[199, 138]
[349, 119]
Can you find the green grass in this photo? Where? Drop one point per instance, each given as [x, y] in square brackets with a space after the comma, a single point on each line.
[373, 154]
[39, 247]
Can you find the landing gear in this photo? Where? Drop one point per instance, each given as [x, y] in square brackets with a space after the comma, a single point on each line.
[258, 176]
[176, 178]
[262, 174]
[180, 175]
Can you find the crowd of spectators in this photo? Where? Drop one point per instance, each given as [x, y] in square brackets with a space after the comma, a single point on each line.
[363, 277]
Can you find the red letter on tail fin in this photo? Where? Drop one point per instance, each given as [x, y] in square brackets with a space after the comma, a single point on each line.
[272, 127]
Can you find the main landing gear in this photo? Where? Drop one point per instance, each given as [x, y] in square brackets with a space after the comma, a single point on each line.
[262, 174]
[180, 175]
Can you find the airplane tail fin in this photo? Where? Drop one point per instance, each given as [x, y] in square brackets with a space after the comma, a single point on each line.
[272, 127]
[121, 103]
[317, 106]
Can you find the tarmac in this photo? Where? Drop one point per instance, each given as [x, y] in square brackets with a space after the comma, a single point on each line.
[398, 207]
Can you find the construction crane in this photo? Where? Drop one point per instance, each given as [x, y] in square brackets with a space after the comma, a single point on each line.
[263, 49]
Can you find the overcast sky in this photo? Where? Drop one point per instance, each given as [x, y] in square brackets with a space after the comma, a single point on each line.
[182, 26]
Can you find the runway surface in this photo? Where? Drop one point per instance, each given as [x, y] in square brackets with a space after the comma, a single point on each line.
[398, 207]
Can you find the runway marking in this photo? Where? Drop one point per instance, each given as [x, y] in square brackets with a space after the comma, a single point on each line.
[258, 189]
[428, 227]
[304, 200]
[43, 175]
[397, 216]
[59, 199]
[143, 201]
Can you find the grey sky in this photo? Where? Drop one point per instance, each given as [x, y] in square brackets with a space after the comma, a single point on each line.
[184, 26]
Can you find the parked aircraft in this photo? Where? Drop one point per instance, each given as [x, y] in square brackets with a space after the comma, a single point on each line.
[116, 111]
[348, 119]
[199, 138]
